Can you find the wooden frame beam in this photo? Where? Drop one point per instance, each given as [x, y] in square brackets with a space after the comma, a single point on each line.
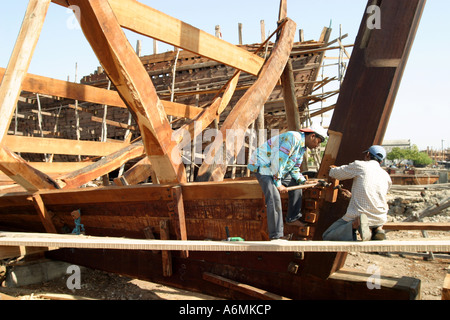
[62, 146]
[129, 76]
[248, 107]
[20, 61]
[82, 92]
[149, 22]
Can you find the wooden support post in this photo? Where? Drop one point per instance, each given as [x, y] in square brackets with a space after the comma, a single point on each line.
[176, 212]
[16, 71]
[44, 215]
[166, 255]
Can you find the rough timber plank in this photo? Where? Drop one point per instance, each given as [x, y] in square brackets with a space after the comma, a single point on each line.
[129, 76]
[91, 242]
[61, 146]
[82, 92]
[20, 60]
[147, 21]
[23, 174]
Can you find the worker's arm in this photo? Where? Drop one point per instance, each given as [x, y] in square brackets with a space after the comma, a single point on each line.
[344, 172]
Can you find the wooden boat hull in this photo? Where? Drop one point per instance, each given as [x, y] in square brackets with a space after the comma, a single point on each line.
[209, 208]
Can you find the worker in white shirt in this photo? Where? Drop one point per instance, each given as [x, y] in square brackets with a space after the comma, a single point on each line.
[367, 210]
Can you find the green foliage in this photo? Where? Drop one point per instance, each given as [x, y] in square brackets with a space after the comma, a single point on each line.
[413, 154]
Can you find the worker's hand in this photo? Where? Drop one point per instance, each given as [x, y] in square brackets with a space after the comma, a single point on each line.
[282, 189]
[346, 193]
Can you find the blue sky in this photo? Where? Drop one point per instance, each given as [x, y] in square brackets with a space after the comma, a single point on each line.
[421, 112]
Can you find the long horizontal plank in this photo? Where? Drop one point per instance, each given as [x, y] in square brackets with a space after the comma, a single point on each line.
[91, 242]
[430, 226]
[65, 89]
[137, 17]
[61, 146]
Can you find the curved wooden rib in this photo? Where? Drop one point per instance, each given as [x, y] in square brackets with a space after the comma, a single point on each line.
[248, 107]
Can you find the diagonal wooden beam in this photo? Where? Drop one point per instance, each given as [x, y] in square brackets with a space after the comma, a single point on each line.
[43, 213]
[247, 109]
[25, 175]
[20, 61]
[147, 21]
[129, 76]
[97, 169]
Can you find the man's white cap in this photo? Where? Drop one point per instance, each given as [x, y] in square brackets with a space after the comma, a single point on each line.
[319, 130]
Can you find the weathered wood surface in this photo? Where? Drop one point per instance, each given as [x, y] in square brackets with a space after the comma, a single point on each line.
[10, 87]
[91, 242]
[82, 92]
[431, 226]
[127, 73]
[61, 146]
[147, 21]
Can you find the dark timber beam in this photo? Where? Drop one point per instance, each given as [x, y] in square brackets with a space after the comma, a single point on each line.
[365, 102]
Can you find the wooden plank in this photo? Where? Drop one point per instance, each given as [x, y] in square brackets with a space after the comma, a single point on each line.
[248, 107]
[244, 288]
[101, 167]
[331, 152]
[129, 76]
[147, 21]
[8, 252]
[20, 60]
[142, 19]
[83, 92]
[288, 85]
[207, 116]
[44, 215]
[61, 146]
[446, 288]
[52, 168]
[92, 242]
[431, 226]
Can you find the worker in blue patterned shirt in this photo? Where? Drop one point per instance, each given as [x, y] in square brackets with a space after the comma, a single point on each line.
[276, 165]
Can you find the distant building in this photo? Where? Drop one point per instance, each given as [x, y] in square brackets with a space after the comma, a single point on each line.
[388, 145]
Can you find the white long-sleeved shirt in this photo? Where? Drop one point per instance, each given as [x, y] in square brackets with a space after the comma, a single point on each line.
[370, 186]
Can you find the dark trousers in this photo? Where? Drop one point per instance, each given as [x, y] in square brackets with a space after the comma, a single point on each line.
[273, 204]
